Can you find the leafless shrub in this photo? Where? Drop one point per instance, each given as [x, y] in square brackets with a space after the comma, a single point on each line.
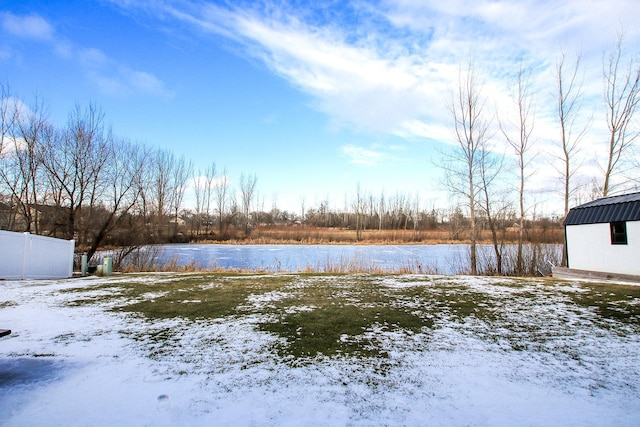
[143, 258]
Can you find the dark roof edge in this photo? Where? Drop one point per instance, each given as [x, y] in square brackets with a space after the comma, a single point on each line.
[625, 207]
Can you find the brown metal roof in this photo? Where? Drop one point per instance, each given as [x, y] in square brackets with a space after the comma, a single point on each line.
[625, 207]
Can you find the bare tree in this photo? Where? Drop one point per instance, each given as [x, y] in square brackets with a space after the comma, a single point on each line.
[8, 116]
[203, 189]
[622, 95]
[21, 171]
[198, 191]
[122, 172]
[490, 168]
[221, 193]
[569, 98]
[358, 209]
[381, 210]
[162, 190]
[471, 132]
[396, 210]
[635, 165]
[74, 163]
[145, 208]
[302, 209]
[179, 179]
[518, 134]
[247, 189]
[210, 175]
[415, 214]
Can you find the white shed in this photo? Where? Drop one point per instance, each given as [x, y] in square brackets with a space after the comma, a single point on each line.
[603, 236]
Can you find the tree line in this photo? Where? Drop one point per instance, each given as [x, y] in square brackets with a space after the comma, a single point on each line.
[84, 182]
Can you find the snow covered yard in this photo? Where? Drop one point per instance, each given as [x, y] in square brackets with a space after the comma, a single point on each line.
[356, 350]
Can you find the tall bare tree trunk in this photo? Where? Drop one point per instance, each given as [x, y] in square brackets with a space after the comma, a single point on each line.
[569, 92]
[622, 95]
[471, 134]
[247, 188]
[518, 135]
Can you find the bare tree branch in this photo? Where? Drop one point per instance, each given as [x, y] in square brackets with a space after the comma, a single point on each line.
[622, 95]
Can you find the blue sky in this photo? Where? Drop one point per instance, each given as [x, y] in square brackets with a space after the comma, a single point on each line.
[313, 97]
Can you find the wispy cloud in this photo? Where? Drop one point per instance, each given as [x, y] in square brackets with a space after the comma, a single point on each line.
[108, 74]
[391, 65]
[365, 83]
[30, 27]
[393, 68]
[115, 78]
[362, 156]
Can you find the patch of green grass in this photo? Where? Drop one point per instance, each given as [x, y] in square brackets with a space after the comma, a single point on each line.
[612, 302]
[195, 302]
[101, 294]
[192, 297]
[338, 329]
[330, 315]
[203, 297]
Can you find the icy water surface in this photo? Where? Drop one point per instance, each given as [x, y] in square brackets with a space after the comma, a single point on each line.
[440, 259]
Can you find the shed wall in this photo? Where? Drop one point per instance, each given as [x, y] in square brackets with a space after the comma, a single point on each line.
[589, 248]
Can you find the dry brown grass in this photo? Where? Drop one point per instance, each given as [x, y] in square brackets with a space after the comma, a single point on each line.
[319, 235]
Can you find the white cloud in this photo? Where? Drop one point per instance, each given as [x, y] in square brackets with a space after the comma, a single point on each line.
[421, 129]
[354, 82]
[145, 82]
[30, 26]
[92, 58]
[362, 156]
[385, 79]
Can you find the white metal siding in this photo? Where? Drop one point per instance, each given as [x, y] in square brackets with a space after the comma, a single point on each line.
[589, 248]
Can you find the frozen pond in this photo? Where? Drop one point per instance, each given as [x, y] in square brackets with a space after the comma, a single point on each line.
[441, 259]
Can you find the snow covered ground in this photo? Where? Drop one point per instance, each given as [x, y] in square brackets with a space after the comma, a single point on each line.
[545, 360]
